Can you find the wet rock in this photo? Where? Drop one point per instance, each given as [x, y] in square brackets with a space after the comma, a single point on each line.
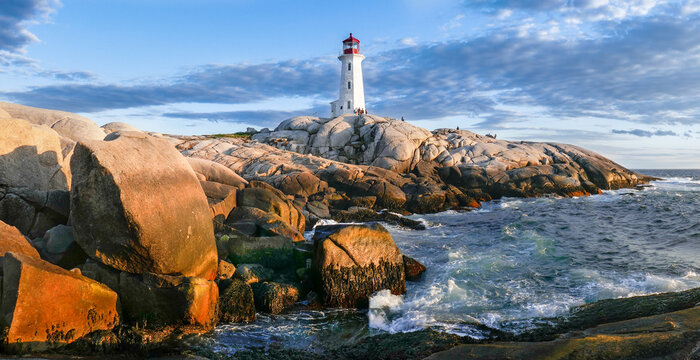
[610, 310]
[271, 297]
[351, 262]
[136, 205]
[414, 270]
[45, 306]
[363, 201]
[236, 302]
[670, 336]
[360, 215]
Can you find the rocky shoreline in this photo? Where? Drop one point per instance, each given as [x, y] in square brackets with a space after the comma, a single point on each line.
[115, 240]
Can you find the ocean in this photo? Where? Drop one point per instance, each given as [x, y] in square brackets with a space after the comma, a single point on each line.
[512, 262]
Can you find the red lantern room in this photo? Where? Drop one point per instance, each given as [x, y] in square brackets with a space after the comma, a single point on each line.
[351, 45]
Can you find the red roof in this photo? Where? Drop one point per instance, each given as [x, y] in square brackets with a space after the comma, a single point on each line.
[351, 39]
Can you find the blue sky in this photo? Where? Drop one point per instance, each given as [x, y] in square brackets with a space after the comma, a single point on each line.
[619, 77]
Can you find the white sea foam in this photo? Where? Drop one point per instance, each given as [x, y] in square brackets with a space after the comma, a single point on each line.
[322, 222]
[381, 305]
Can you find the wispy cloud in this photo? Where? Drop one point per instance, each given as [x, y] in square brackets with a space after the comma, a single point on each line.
[645, 133]
[15, 15]
[266, 118]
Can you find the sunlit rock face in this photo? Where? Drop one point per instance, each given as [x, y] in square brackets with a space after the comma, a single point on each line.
[137, 206]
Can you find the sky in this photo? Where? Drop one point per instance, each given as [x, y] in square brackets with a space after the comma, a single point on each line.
[619, 77]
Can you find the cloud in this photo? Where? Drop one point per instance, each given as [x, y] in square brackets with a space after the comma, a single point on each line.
[15, 15]
[263, 118]
[645, 133]
[407, 41]
[644, 70]
[590, 10]
[231, 84]
[67, 75]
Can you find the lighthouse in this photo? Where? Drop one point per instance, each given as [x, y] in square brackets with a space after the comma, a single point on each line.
[352, 91]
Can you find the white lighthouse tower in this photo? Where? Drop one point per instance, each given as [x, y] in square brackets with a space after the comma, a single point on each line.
[352, 90]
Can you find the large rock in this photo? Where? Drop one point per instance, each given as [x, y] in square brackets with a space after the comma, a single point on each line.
[11, 240]
[269, 199]
[34, 177]
[44, 305]
[351, 262]
[72, 126]
[137, 206]
[156, 300]
[31, 156]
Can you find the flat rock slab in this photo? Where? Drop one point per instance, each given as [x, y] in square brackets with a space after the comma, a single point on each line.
[667, 336]
[44, 305]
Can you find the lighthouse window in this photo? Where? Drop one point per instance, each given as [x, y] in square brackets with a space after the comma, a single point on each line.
[349, 66]
[349, 105]
[349, 85]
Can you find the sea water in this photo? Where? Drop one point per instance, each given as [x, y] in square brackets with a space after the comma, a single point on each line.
[514, 261]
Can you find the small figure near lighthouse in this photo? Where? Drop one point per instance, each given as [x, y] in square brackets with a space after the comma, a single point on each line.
[352, 90]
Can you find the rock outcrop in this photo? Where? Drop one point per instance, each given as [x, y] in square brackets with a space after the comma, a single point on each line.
[401, 147]
[137, 206]
[351, 262]
[368, 140]
[404, 167]
[44, 305]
